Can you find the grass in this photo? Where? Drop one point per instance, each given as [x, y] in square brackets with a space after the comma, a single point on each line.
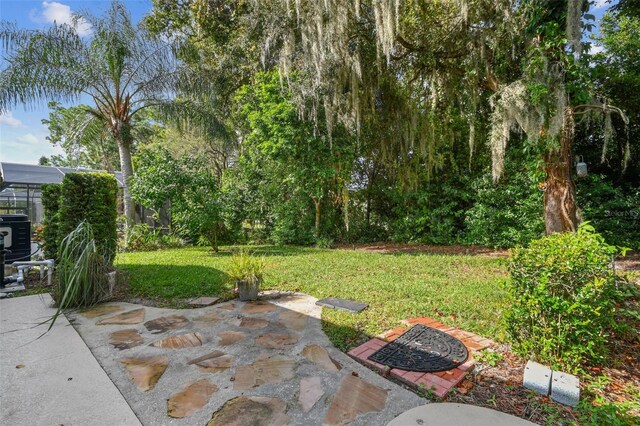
[463, 291]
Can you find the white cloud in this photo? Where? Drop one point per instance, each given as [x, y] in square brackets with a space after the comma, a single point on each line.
[8, 119]
[60, 13]
[28, 138]
[596, 48]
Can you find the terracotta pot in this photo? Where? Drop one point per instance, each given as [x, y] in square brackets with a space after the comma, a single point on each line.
[248, 290]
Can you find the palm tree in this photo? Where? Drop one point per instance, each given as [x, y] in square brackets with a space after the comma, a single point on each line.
[119, 66]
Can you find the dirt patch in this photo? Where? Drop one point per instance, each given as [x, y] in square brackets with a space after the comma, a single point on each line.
[397, 248]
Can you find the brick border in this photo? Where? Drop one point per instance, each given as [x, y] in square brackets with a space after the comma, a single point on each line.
[438, 383]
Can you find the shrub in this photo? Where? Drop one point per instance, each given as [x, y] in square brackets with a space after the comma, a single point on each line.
[506, 213]
[51, 221]
[563, 290]
[81, 268]
[613, 210]
[141, 237]
[246, 267]
[91, 197]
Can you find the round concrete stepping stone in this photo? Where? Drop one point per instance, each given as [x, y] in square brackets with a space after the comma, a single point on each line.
[132, 317]
[355, 397]
[146, 371]
[277, 340]
[230, 337]
[251, 411]
[162, 324]
[98, 311]
[293, 320]
[126, 339]
[265, 371]
[319, 356]
[187, 340]
[310, 392]
[258, 308]
[253, 323]
[214, 362]
[192, 398]
[450, 414]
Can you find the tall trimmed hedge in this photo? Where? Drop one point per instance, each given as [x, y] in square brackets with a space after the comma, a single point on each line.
[51, 221]
[91, 197]
[81, 196]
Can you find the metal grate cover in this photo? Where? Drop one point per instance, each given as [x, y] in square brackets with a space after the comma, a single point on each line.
[423, 349]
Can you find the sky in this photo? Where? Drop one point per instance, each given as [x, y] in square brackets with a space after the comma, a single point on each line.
[23, 137]
[22, 134]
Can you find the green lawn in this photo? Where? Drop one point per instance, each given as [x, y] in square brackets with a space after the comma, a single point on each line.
[465, 291]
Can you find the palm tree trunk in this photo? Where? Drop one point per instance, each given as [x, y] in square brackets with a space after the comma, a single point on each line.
[560, 208]
[124, 148]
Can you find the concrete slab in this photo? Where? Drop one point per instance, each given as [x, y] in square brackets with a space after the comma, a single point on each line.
[537, 377]
[53, 380]
[446, 414]
[565, 388]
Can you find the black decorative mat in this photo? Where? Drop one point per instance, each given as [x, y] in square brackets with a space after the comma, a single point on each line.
[423, 349]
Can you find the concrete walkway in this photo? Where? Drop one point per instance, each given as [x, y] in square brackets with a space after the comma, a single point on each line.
[54, 380]
[265, 363]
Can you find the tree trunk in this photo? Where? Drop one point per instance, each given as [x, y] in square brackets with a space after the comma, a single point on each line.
[317, 201]
[560, 208]
[345, 206]
[124, 149]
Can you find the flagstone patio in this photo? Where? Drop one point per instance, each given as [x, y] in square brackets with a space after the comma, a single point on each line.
[261, 363]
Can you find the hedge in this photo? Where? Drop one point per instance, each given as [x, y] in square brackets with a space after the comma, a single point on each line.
[51, 221]
[91, 197]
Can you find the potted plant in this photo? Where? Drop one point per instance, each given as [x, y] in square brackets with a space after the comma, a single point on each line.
[247, 271]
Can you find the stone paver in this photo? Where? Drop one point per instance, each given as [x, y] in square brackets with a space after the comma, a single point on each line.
[125, 339]
[201, 302]
[192, 398]
[215, 362]
[132, 317]
[230, 337]
[319, 356]
[237, 363]
[354, 397]
[251, 411]
[267, 371]
[146, 371]
[98, 311]
[187, 340]
[311, 391]
[277, 340]
[162, 324]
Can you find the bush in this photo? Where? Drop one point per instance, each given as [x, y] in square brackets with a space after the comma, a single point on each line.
[141, 237]
[563, 290]
[51, 222]
[81, 268]
[505, 214]
[91, 197]
[613, 210]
